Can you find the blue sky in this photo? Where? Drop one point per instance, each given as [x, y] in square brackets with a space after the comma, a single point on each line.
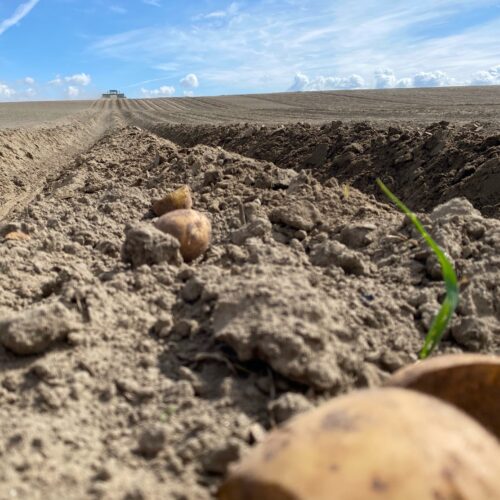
[60, 49]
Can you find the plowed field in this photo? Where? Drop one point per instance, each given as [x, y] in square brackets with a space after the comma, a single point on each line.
[145, 381]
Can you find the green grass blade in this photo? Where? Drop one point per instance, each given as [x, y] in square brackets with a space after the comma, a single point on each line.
[450, 302]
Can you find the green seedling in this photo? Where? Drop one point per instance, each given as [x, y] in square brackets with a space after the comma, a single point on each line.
[450, 302]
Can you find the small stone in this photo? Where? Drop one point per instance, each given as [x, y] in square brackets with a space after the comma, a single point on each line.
[333, 252]
[357, 235]
[102, 474]
[218, 459]
[257, 228]
[185, 327]
[211, 177]
[107, 247]
[256, 434]
[355, 147]
[192, 290]
[151, 441]
[301, 235]
[297, 215]
[288, 405]
[163, 326]
[472, 334]
[475, 230]
[144, 244]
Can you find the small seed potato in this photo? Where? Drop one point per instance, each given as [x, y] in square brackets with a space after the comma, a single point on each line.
[470, 382]
[191, 228]
[176, 200]
[387, 443]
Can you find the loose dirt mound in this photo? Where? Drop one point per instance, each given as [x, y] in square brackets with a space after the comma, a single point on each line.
[140, 382]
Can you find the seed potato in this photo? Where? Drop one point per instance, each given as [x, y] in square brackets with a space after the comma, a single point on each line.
[469, 381]
[386, 443]
[176, 200]
[191, 228]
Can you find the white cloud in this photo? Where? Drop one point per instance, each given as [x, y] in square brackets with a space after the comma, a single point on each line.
[6, 91]
[432, 79]
[29, 80]
[385, 78]
[163, 91]
[483, 78]
[489, 77]
[188, 93]
[56, 81]
[190, 81]
[73, 91]
[154, 3]
[78, 79]
[404, 83]
[23, 10]
[302, 82]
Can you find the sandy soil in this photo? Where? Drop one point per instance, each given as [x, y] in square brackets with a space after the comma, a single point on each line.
[145, 381]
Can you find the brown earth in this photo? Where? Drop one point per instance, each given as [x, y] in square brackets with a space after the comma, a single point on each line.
[146, 381]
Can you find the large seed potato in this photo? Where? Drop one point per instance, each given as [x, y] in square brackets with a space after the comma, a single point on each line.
[176, 200]
[386, 443]
[469, 381]
[191, 228]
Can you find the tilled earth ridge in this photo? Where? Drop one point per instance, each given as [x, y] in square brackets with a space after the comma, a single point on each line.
[29, 155]
[123, 382]
[425, 165]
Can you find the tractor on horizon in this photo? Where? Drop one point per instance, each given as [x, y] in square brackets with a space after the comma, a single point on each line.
[113, 94]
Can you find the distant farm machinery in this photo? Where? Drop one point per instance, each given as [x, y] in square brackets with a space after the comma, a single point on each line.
[113, 94]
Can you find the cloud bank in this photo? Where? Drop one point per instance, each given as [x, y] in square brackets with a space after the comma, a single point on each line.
[302, 82]
[386, 78]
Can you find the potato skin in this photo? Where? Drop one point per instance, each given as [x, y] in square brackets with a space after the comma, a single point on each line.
[470, 382]
[191, 228]
[176, 200]
[388, 443]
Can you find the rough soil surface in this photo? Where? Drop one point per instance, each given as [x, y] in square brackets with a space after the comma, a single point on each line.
[126, 373]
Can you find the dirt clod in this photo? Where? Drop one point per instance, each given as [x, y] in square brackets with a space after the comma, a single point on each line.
[144, 244]
[151, 441]
[35, 331]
